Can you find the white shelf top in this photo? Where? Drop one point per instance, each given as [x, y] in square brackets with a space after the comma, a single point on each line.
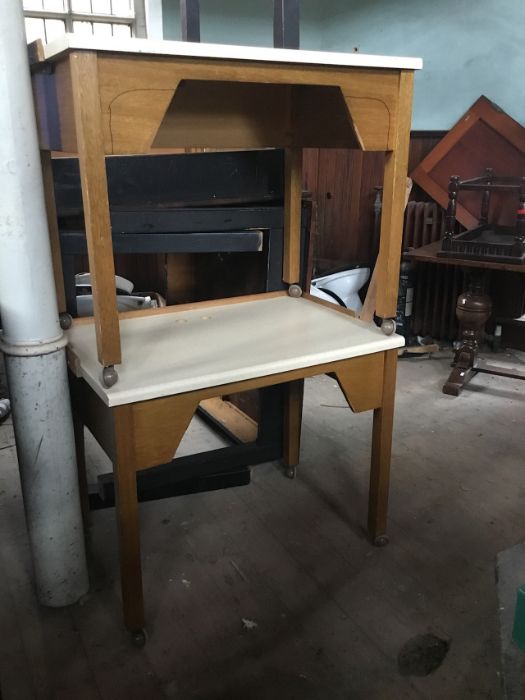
[172, 353]
[70, 42]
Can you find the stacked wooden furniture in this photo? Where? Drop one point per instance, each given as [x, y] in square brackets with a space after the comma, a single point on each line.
[145, 373]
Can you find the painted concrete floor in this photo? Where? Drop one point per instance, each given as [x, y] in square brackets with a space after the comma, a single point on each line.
[271, 590]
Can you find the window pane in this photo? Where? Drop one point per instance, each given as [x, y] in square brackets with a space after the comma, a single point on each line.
[83, 28]
[81, 6]
[32, 4]
[101, 29]
[101, 7]
[122, 31]
[122, 8]
[35, 29]
[54, 5]
[54, 28]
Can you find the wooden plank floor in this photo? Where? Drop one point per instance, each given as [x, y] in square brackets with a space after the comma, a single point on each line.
[271, 590]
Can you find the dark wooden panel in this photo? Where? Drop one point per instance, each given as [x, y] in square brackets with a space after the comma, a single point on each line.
[484, 137]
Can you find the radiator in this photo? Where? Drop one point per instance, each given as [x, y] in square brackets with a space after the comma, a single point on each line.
[436, 287]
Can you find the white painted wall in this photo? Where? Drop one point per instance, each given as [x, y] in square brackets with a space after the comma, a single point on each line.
[470, 47]
[245, 22]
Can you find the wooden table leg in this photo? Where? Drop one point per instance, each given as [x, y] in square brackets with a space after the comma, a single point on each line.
[293, 185]
[126, 504]
[293, 414]
[52, 224]
[381, 452]
[473, 310]
[394, 190]
[90, 146]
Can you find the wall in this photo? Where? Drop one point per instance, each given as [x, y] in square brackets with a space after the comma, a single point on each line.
[245, 22]
[469, 48]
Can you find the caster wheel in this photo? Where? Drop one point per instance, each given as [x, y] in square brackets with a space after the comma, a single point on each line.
[295, 291]
[381, 540]
[291, 472]
[109, 376]
[138, 638]
[65, 321]
[388, 326]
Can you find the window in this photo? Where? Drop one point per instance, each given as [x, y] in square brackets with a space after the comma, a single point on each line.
[48, 19]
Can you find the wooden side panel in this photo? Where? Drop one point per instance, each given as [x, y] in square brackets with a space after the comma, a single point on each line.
[149, 84]
[361, 381]
[372, 99]
[131, 120]
[88, 120]
[158, 427]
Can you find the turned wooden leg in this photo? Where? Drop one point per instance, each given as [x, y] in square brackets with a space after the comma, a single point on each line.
[473, 310]
[126, 505]
[293, 414]
[381, 452]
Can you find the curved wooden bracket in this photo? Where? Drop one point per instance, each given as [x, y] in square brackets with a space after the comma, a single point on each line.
[361, 381]
[157, 428]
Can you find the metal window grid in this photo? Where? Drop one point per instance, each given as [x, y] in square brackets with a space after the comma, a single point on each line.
[134, 19]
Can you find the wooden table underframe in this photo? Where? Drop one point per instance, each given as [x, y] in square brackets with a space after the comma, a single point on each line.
[473, 310]
[97, 103]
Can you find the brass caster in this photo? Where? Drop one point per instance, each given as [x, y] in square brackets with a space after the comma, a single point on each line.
[388, 326]
[295, 291]
[138, 638]
[291, 472]
[381, 541]
[65, 321]
[109, 376]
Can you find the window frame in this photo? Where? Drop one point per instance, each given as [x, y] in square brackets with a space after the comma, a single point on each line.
[136, 21]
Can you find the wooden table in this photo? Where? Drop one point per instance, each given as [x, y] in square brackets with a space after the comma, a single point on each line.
[99, 97]
[473, 309]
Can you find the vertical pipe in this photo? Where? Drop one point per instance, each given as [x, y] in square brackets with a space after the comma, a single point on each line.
[32, 339]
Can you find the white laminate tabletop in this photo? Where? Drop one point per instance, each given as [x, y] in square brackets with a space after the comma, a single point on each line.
[207, 346]
[70, 42]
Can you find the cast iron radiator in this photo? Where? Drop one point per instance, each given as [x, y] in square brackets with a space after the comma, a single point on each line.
[436, 287]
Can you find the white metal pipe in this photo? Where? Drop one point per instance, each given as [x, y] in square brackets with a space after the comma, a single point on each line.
[46, 454]
[29, 309]
[32, 338]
